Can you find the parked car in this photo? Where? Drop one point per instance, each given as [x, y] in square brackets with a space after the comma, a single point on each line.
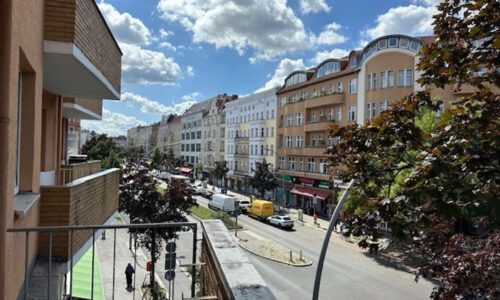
[281, 221]
[261, 209]
[222, 202]
[244, 206]
[206, 194]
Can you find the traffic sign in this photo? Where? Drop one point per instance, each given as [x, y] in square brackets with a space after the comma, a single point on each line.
[170, 261]
[170, 247]
[170, 275]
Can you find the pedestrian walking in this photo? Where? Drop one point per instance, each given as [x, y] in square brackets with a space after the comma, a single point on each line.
[128, 274]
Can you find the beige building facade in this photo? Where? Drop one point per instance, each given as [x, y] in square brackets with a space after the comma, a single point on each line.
[58, 60]
[169, 134]
[349, 90]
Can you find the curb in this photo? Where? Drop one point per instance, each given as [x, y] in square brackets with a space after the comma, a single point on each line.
[276, 260]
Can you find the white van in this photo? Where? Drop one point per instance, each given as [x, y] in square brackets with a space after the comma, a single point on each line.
[222, 202]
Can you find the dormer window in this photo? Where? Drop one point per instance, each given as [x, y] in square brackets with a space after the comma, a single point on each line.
[352, 62]
[295, 79]
[328, 68]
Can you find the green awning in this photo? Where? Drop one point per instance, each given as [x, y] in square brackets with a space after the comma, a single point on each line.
[82, 275]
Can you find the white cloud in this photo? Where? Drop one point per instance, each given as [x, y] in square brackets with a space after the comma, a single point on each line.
[313, 6]
[270, 28]
[192, 97]
[112, 123]
[165, 33]
[143, 66]
[168, 46]
[330, 35]
[411, 20]
[190, 70]
[125, 27]
[335, 53]
[150, 106]
[285, 67]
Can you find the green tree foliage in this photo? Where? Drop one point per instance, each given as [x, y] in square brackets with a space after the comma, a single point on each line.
[157, 159]
[263, 178]
[220, 171]
[171, 162]
[140, 199]
[436, 183]
[103, 148]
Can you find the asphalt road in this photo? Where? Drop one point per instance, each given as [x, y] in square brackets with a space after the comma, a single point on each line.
[348, 272]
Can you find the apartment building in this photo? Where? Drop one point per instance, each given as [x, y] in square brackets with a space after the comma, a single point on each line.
[169, 134]
[250, 136]
[352, 89]
[140, 137]
[214, 133]
[58, 60]
[191, 134]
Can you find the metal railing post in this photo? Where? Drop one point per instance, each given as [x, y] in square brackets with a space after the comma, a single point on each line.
[50, 265]
[26, 259]
[195, 238]
[114, 264]
[71, 264]
[93, 261]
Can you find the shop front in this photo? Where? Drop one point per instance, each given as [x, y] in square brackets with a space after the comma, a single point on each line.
[311, 195]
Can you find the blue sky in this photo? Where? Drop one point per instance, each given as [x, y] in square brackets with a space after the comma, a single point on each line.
[177, 52]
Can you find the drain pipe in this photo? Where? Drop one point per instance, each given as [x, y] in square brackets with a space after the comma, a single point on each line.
[335, 216]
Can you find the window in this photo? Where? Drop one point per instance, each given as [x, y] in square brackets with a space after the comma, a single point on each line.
[272, 113]
[383, 81]
[289, 120]
[295, 79]
[271, 150]
[372, 81]
[315, 92]
[193, 135]
[283, 101]
[339, 114]
[393, 42]
[340, 87]
[390, 79]
[299, 120]
[330, 115]
[405, 77]
[182, 136]
[353, 86]
[352, 62]
[328, 68]
[298, 141]
[383, 105]
[382, 44]
[372, 110]
[262, 132]
[261, 149]
[272, 131]
[182, 147]
[289, 142]
[311, 166]
[403, 43]
[291, 163]
[352, 113]
[313, 117]
[282, 162]
[300, 166]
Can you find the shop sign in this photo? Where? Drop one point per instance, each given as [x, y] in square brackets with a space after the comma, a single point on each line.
[307, 181]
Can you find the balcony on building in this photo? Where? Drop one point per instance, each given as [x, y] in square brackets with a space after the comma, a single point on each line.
[81, 57]
[241, 139]
[324, 99]
[319, 124]
[82, 109]
[83, 195]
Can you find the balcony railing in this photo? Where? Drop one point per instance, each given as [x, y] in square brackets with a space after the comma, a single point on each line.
[70, 172]
[49, 243]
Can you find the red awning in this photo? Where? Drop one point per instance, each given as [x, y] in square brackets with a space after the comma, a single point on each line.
[186, 170]
[310, 193]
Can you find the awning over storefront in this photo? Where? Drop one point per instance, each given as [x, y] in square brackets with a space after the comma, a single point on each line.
[186, 170]
[310, 193]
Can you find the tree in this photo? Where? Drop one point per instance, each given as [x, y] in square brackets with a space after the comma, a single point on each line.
[263, 178]
[170, 161]
[198, 168]
[141, 200]
[134, 154]
[220, 171]
[103, 148]
[157, 159]
[438, 192]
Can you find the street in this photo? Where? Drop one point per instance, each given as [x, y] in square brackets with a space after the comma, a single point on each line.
[348, 273]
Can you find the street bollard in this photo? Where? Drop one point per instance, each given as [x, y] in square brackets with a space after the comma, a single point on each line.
[291, 255]
[300, 255]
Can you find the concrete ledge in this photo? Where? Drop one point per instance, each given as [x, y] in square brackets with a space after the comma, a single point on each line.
[232, 267]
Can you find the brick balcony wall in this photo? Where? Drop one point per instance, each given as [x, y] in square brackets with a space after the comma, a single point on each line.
[81, 22]
[87, 201]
